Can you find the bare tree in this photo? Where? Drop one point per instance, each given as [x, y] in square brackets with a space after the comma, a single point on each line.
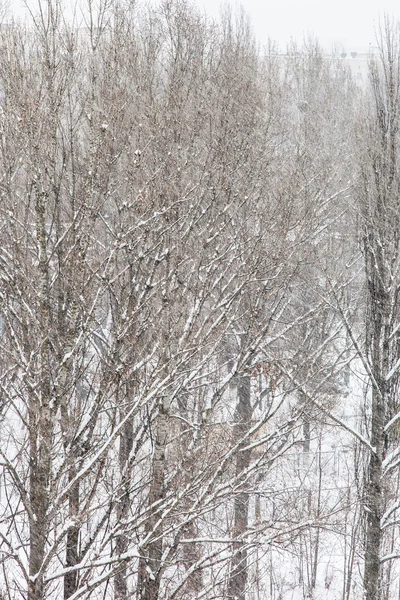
[378, 202]
[159, 212]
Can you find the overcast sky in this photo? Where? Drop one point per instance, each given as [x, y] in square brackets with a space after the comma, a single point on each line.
[344, 24]
[348, 24]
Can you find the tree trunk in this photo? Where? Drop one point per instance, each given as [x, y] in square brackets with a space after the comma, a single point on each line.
[40, 422]
[191, 555]
[379, 356]
[72, 552]
[239, 570]
[122, 542]
[373, 505]
[150, 563]
[191, 551]
[39, 501]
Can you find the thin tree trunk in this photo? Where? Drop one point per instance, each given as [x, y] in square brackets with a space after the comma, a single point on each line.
[239, 569]
[72, 544]
[317, 529]
[39, 500]
[377, 344]
[374, 506]
[72, 552]
[40, 424]
[191, 555]
[150, 563]
[122, 542]
[191, 551]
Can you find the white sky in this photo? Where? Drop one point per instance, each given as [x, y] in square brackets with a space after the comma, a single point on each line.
[348, 24]
[344, 24]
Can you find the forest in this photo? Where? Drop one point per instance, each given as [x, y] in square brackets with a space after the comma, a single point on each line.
[199, 310]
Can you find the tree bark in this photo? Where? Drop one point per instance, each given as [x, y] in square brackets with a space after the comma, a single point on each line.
[122, 541]
[239, 569]
[149, 577]
[72, 552]
[40, 422]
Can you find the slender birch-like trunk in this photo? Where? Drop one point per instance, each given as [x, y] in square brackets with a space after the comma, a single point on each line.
[239, 568]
